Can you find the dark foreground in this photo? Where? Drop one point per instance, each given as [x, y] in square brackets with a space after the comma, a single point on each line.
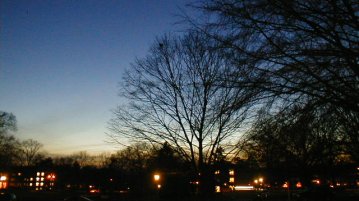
[272, 195]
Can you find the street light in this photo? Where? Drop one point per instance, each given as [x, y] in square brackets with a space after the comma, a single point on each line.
[260, 180]
[156, 177]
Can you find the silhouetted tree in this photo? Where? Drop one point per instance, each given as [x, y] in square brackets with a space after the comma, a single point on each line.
[176, 95]
[64, 161]
[133, 162]
[132, 159]
[9, 151]
[293, 50]
[166, 159]
[83, 159]
[102, 160]
[7, 122]
[296, 141]
[45, 163]
[30, 152]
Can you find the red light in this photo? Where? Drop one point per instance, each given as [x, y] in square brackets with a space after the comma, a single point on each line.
[94, 191]
[51, 176]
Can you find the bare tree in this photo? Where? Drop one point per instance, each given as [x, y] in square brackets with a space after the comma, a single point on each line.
[83, 159]
[30, 151]
[7, 122]
[293, 49]
[296, 139]
[102, 160]
[133, 159]
[9, 151]
[177, 95]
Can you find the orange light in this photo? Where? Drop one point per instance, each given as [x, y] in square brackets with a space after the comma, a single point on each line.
[156, 177]
[298, 185]
[316, 181]
[94, 191]
[3, 184]
[3, 178]
[285, 185]
[51, 176]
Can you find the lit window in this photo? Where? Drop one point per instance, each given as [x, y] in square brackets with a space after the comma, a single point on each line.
[37, 184]
[217, 172]
[298, 185]
[231, 172]
[231, 179]
[42, 173]
[31, 179]
[3, 184]
[42, 179]
[3, 178]
[42, 183]
[37, 178]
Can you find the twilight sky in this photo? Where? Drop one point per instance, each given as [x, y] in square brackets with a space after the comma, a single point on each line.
[61, 61]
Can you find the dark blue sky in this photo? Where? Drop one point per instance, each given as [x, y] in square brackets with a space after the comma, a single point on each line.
[61, 61]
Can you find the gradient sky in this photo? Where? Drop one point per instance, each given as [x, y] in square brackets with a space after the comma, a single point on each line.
[61, 61]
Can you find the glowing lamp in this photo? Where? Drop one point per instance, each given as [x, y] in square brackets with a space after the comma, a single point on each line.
[156, 177]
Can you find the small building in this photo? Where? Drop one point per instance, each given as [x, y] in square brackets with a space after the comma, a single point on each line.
[28, 179]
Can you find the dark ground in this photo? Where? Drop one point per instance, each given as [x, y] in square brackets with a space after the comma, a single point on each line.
[278, 195]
